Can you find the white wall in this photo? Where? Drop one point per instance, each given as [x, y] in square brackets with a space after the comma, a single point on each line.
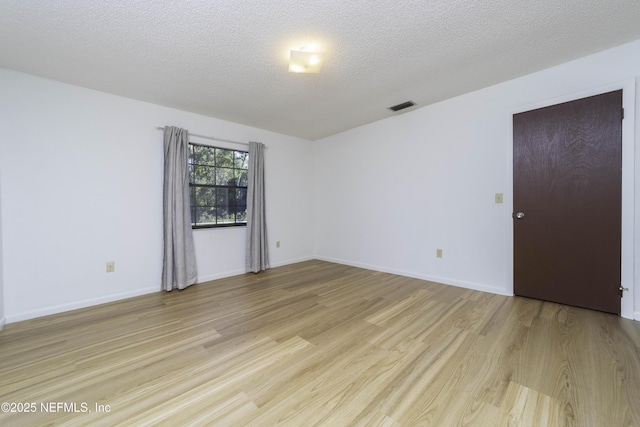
[81, 184]
[2, 317]
[392, 192]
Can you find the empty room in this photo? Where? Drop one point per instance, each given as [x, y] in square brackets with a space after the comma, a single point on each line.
[365, 213]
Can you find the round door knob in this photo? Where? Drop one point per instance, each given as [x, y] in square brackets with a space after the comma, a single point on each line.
[520, 215]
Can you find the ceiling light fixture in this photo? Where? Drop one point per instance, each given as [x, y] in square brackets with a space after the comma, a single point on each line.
[304, 60]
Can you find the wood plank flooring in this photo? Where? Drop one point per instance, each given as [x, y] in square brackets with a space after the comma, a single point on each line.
[322, 344]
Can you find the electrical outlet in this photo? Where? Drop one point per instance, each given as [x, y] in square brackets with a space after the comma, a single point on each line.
[111, 266]
[499, 197]
[438, 253]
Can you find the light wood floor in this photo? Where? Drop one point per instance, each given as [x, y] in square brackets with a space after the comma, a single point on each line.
[317, 343]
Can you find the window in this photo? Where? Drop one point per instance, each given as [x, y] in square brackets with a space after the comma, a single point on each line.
[218, 186]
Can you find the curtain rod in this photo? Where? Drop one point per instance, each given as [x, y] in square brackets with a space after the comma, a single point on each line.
[213, 138]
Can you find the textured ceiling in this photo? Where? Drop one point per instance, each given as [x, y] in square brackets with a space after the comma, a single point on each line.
[228, 59]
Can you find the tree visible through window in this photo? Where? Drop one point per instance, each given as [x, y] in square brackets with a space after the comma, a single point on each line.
[218, 186]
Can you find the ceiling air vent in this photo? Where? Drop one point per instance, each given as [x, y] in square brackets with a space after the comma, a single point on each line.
[402, 106]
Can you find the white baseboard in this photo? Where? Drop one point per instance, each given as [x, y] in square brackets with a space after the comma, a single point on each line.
[210, 277]
[78, 304]
[445, 281]
[116, 297]
[291, 261]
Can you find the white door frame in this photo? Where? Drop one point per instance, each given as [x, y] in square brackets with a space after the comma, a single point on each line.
[628, 180]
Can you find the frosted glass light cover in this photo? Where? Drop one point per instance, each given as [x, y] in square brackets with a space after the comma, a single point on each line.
[301, 61]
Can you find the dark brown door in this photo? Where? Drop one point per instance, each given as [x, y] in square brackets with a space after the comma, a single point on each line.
[567, 198]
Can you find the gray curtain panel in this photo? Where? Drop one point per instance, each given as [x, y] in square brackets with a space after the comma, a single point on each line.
[179, 264]
[257, 250]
